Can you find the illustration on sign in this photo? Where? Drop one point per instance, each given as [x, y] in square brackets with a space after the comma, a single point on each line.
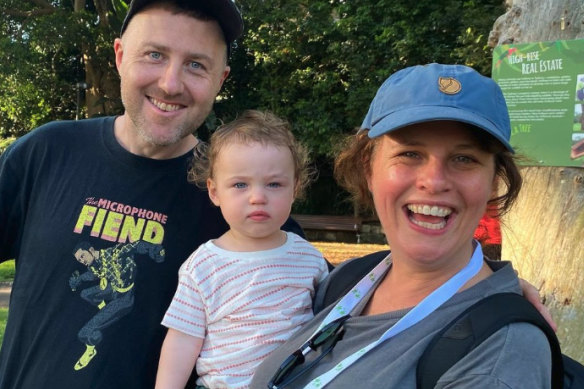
[543, 84]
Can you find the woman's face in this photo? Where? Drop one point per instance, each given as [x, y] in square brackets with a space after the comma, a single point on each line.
[430, 184]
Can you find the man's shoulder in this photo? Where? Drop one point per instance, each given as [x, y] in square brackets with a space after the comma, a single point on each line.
[73, 128]
[62, 132]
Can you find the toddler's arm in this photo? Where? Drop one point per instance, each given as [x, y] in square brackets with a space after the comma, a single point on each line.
[177, 359]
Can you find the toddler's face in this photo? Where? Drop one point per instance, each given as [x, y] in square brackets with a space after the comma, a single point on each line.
[253, 184]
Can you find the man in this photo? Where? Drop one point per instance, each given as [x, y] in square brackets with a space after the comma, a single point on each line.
[113, 181]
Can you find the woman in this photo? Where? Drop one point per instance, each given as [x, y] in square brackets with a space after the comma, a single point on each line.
[431, 149]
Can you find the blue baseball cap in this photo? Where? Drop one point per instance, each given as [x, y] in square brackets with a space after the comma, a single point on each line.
[432, 92]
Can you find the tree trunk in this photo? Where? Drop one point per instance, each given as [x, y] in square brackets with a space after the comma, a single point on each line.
[543, 237]
[78, 5]
[543, 234]
[93, 75]
[538, 20]
[103, 94]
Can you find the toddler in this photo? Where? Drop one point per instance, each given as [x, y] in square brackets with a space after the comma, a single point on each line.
[243, 294]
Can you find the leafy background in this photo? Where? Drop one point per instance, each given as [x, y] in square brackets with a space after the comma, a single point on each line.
[317, 63]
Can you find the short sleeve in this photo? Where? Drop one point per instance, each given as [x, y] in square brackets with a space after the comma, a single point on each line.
[186, 312]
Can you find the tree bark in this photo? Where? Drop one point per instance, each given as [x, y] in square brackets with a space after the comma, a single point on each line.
[538, 20]
[103, 94]
[543, 237]
[78, 5]
[543, 234]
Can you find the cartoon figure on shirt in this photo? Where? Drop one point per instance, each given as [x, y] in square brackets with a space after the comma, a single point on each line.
[113, 272]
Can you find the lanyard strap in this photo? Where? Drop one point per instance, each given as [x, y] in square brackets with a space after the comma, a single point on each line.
[416, 314]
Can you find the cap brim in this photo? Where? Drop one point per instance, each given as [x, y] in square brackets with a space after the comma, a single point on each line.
[421, 114]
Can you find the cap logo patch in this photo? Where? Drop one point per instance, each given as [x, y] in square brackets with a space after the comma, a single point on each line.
[449, 85]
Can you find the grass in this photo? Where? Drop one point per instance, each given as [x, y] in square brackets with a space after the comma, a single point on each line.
[3, 318]
[6, 274]
[7, 271]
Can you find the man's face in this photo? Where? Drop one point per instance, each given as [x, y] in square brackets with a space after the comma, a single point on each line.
[172, 67]
[85, 257]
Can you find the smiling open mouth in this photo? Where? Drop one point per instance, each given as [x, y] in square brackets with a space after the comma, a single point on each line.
[164, 106]
[429, 216]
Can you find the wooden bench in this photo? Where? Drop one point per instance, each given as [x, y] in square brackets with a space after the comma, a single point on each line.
[330, 223]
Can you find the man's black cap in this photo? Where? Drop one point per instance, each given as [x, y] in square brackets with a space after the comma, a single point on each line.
[224, 11]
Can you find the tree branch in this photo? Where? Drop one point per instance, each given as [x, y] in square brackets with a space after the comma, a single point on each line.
[45, 9]
[28, 14]
[43, 4]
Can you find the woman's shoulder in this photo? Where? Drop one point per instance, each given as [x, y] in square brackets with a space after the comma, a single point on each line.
[516, 356]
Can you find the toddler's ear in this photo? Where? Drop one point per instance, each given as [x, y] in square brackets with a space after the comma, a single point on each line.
[212, 190]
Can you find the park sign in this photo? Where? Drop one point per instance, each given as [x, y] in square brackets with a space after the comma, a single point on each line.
[543, 84]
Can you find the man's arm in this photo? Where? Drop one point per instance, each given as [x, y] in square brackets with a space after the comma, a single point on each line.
[11, 207]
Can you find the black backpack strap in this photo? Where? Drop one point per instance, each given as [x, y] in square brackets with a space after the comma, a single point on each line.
[476, 324]
[573, 373]
[342, 279]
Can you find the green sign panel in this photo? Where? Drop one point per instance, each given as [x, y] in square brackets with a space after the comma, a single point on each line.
[543, 84]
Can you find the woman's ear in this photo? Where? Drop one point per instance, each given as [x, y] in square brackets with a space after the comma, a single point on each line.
[212, 190]
[368, 180]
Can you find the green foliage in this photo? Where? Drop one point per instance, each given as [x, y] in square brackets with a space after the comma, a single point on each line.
[37, 78]
[317, 63]
[6, 274]
[48, 50]
[5, 142]
[7, 271]
[3, 319]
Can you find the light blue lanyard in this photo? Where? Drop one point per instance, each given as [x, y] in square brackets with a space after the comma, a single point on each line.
[416, 314]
